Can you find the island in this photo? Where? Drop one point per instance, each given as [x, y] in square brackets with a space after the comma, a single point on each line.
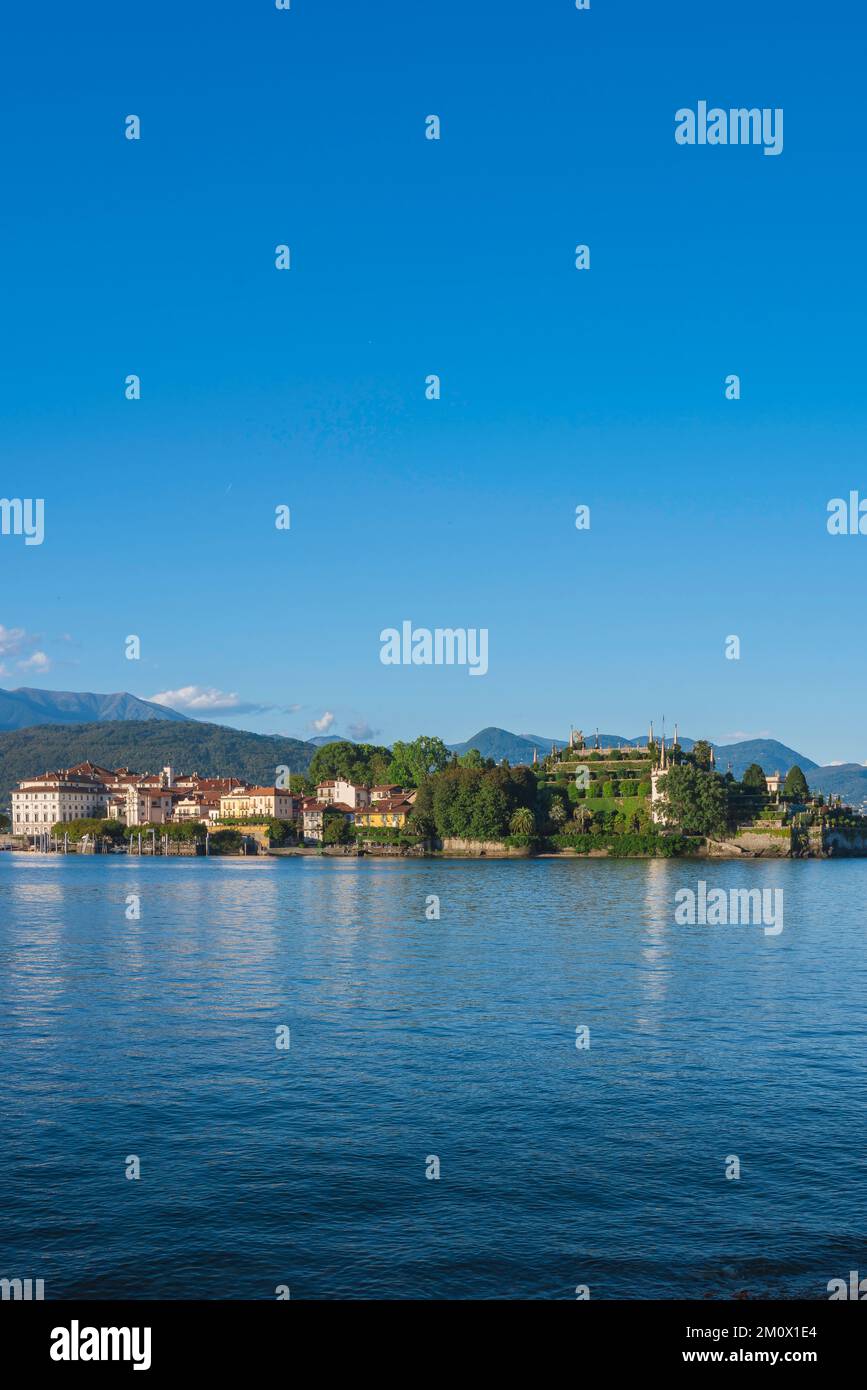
[652, 798]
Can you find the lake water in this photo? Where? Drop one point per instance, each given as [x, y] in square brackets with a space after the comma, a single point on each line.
[412, 1038]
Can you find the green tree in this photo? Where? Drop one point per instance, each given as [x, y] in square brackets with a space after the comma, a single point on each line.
[421, 818]
[701, 755]
[695, 801]
[443, 792]
[280, 832]
[4, 822]
[490, 817]
[226, 842]
[379, 765]
[557, 812]
[472, 758]
[795, 786]
[412, 762]
[356, 762]
[519, 785]
[472, 802]
[754, 778]
[182, 830]
[97, 827]
[336, 829]
[522, 821]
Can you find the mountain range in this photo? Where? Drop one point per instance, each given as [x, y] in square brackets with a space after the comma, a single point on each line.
[24, 707]
[42, 729]
[212, 750]
[848, 780]
[770, 755]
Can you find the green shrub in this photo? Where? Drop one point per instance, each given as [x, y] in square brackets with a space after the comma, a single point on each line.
[336, 830]
[626, 846]
[97, 827]
[386, 835]
[226, 842]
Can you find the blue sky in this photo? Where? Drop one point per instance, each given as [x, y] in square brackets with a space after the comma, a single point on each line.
[454, 257]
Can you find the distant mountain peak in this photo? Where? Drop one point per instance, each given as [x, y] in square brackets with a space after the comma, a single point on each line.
[26, 706]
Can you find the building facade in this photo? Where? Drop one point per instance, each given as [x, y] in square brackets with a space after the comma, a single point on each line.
[338, 791]
[314, 815]
[257, 801]
[384, 814]
[39, 803]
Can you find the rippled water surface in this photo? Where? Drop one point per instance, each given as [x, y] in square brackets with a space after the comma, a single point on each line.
[413, 1037]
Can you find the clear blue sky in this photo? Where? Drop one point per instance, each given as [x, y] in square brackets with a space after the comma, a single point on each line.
[411, 257]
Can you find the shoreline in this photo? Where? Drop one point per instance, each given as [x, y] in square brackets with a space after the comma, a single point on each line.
[309, 852]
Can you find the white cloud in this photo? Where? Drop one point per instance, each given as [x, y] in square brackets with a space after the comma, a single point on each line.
[361, 732]
[200, 699]
[323, 724]
[195, 697]
[10, 640]
[16, 642]
[38, 662]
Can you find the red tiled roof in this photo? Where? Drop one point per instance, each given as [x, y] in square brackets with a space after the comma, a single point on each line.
[92, 770]
[82, 779]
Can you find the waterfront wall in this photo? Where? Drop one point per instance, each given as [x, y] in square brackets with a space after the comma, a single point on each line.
[749, 844]
[477, 849]
[844, 843]
[811, 842]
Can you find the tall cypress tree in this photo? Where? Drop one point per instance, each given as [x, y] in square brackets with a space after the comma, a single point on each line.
[795, 786]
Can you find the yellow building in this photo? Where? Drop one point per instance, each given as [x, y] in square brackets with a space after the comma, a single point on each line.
[384, 815]
[257, 801]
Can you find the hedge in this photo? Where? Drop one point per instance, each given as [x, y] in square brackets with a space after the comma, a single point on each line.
[624, 846]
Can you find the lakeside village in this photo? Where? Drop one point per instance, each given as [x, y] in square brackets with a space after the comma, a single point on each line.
[650, 800]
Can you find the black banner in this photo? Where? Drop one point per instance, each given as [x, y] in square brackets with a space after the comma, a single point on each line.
[167, 1339]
